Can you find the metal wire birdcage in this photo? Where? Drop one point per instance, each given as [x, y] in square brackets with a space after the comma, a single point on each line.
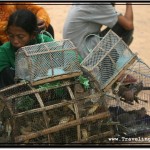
[107, 59]
[45, 60]
[130, 103]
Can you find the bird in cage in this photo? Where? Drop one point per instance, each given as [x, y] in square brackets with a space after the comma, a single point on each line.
[23, 68]
[126, 78]
[93, 109]
[8, 127]
[137, 87]
[85, 134]
[66, 119]
[133, 117]
[126, 94]
[140, 113]
[129, 92]
[127, 119]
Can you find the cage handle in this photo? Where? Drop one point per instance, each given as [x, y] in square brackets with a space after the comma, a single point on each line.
[42, 33]
[99, 37]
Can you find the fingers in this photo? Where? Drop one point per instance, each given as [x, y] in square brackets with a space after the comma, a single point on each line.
[41, 24]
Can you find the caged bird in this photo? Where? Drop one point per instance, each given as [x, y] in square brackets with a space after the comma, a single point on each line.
[137, 88]
[8, 127]
[140, 113]
[133, 117]
[129, 92]
[85, 134]
[127, 119]
[93, 109]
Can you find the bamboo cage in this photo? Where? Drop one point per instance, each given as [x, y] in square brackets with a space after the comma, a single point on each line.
[57, 113]
[49, 102]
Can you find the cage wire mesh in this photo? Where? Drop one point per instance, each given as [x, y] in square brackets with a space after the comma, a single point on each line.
[45, 60]
[133, 111]
[107, 59]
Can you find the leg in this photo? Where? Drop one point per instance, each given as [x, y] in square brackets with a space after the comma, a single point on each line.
[126, 35]
[7, 77]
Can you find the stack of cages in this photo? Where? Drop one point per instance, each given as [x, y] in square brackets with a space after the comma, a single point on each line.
[26, 104]
[49, 112]
[107, 59]
[129, 100]
[41, 61]
[111, 63]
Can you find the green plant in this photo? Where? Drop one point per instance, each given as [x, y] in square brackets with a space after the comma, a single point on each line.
[25, 103]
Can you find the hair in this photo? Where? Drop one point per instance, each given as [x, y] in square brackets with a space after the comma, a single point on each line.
[25, 19]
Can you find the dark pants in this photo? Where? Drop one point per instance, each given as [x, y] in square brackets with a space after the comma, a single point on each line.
[7, 77]
[126, 35]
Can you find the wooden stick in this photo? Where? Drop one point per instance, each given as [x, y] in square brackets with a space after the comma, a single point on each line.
[55, 106]
[108, 86]
[44, 112]
[61, 127]
[76, 112]
[60, 77]
[32, 91]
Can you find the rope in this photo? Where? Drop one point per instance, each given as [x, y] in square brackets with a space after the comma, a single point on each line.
[86, 40]
[42, 33]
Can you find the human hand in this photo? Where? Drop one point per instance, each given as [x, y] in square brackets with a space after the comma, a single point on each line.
[41, 24]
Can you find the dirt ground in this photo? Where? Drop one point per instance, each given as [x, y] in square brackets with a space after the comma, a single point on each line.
[140, 44]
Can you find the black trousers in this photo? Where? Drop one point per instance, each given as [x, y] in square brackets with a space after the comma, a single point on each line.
[126, 35]
[7, 77]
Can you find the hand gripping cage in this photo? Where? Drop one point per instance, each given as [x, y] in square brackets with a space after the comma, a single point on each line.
[40, 61]
[107, 59]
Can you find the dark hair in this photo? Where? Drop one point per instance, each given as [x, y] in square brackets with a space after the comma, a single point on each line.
[25, 19]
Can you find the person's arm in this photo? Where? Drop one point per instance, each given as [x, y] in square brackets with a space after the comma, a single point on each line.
[40, 12]
[5, 55]
[126, 20]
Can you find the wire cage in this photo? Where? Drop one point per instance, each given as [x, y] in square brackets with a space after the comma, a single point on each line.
[129, 99]
[40, 61]
[107, 59]
[49, 112]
